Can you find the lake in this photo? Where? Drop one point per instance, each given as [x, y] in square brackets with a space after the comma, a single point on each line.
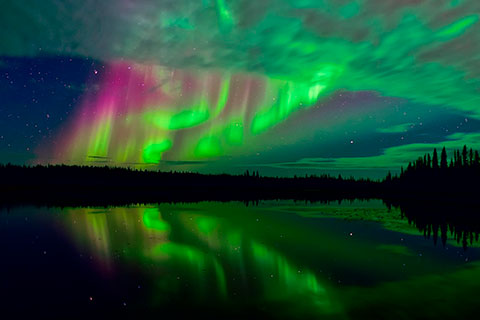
[277, 259]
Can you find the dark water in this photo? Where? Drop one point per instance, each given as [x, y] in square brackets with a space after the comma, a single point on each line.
[226, 260]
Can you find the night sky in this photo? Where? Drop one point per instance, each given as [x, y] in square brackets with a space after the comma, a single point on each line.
[280, 86]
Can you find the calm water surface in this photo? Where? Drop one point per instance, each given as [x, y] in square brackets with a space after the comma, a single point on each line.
[227, 260]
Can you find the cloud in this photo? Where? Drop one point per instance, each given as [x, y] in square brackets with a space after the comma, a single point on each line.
[427, 51]
[183, 163]
[392, 158]
[399, 128]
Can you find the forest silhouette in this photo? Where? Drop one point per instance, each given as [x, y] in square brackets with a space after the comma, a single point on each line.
[436, 193]
[63, 185]
[430, 177]
[433, 176]
[439, 195]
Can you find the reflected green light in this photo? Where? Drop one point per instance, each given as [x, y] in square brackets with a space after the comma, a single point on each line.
[379, 271]
[171, 249]
[192, 258]
[221, 279]
[277, 269]
[206, 224]
[152, 220]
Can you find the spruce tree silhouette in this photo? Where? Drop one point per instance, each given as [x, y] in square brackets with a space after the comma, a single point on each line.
[435, 159]
[388, 177]
[443, 159]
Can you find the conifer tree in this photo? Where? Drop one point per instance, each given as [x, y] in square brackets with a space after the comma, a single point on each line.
[443, 159]
[389, 176]
[435, 159]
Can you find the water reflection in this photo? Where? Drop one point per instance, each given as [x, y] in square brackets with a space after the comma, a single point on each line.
[274, 260]
[458, 222]
[201, 257]
[455, 223]
[302, 284]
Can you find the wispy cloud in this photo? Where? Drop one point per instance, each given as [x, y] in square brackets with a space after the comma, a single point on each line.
[183, 163]
[392, 158]
[399, 128]
[98, 157]
[420, 50]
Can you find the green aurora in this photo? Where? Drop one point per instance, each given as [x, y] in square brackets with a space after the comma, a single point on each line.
[383, 81]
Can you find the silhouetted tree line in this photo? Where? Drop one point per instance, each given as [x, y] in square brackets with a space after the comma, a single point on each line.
[436, 176]
[466, 159]
[85, 185]
[429, 177]
[438, 193]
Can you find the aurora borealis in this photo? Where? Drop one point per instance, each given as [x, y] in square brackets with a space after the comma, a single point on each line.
[338, 95]
[281, 86]
[144, 112]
